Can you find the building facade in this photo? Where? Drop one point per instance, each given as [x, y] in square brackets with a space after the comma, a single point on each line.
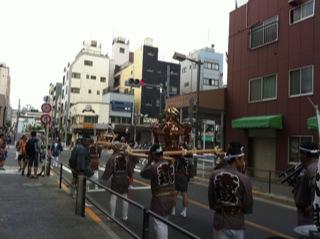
[5, 83]
[82, 87]
[161, 81]
[211, 71]
[55, 98]
[273, 64]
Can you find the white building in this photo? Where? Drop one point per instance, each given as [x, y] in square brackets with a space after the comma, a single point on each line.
[211, 71]
[83, 82]
[120, 51]
[4, 95]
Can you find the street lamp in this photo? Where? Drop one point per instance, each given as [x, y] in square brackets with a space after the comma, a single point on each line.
[181, 57]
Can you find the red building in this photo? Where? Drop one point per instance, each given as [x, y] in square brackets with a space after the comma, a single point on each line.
[273, 64]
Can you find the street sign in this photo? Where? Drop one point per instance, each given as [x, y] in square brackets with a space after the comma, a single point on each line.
[46, 108]
[45, 119]
[46, 98]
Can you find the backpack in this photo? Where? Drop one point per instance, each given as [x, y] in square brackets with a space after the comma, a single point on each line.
[73, 159]
[31, 147]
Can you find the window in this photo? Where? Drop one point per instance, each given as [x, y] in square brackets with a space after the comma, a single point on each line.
[122, 50]
[76, 75]
[102, 79]
[90, 119]
[149, 103]
[93, 77]
[98, 92]
[210, 82]
[105, 91]
[89, 91]
[264, 33]
[264, 88]
[150, 70]
[174, 90]
[302, 12]
[184, 69]
[88, 63]
[294, 142]
[186, 84]
[301, 81]
[75, 90]
[87, 76]
[211, 66]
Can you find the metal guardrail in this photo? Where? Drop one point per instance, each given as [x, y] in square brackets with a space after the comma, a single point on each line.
[82, 196]
[264, 180]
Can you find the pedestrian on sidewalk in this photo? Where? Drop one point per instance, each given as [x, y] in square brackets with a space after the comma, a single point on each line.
[118, 168]
[79, 161]
[161, 175]
[33, 154]
[230, 195]
[304, 189]
[3, 151]
[56, 149]
[183, 172]
[22, 142]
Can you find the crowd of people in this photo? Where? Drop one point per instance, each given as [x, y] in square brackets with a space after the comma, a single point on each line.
[229, 189]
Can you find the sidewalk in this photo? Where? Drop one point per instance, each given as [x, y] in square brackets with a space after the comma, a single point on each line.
[37, 208]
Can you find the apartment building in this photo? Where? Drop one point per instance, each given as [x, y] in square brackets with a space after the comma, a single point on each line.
[273, 64]
[82, 108]
[5, 83]
[211, 71]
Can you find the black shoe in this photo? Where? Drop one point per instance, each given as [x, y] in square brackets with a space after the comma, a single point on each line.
[22, 173]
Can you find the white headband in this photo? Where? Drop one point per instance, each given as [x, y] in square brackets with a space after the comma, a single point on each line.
[312, 151]
[228, 157]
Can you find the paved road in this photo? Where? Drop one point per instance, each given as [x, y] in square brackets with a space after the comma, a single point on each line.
[269, 218]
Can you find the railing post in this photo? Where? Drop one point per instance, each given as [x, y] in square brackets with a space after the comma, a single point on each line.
[195, 166]
[47, 167]
[145, 230]
[60, 175]
[202, 168]
[269, 181]
[81, 193]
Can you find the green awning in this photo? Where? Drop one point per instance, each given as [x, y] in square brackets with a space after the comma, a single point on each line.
[261, 122]
[207, 138]
[312, 123]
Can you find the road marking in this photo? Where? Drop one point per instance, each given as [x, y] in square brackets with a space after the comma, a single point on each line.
[252, 224]
[141, 182]
[269, 230]
[93, 215]
[139, 188]
[10, 170]
[88, 210]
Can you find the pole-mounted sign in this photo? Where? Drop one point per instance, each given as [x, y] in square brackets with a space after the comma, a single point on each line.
[46, 108]
[45, 119]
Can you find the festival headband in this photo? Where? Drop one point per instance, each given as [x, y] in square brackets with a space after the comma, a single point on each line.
[312, 151]
[157, 151]
[228, 157]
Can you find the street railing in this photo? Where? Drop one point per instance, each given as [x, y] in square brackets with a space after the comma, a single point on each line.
[264, 180]
[82, 195]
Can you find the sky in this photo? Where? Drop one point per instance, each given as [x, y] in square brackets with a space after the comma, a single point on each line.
[39, 37]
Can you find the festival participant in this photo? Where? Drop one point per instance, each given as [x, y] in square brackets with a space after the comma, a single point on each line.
[161, 174]
[304, 189]
[230, 195]
[118, 167]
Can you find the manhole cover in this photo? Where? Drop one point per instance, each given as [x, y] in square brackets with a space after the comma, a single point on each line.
[32, 184]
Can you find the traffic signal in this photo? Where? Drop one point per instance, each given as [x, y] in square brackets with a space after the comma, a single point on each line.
[134, 82]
